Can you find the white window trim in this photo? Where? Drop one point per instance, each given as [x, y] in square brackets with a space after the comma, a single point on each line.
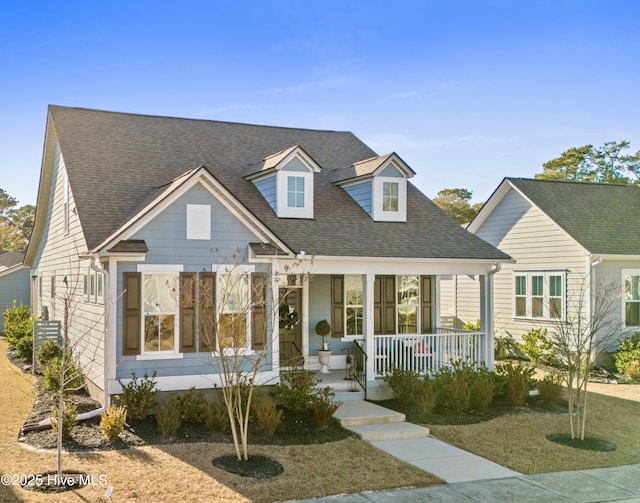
[198, 221]
[546, 295]
[623, 314]
[161, 269]
[378, 193]
[284, 211]
[239, 269]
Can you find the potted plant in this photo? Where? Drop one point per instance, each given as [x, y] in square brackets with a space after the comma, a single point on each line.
[323, 329]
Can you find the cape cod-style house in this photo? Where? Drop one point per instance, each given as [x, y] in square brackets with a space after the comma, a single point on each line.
[138, 215]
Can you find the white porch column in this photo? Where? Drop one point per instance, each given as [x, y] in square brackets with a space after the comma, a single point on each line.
[486, 318]
[305, 316]
[368, 281]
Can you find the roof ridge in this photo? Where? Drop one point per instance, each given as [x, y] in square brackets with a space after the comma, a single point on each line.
[191, 119]
[573, 182]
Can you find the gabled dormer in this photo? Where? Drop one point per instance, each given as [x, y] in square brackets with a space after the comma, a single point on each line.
[378, 185]
[285, 180]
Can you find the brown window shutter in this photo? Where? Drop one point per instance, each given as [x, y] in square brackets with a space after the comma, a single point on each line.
[389, 305]
[258, 308]
[207, 311]
[425, 314]
[187, 312]
[337, 306]
[132, 312]
[377, 306]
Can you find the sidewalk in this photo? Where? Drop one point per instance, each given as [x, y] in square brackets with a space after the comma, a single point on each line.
[620, 484]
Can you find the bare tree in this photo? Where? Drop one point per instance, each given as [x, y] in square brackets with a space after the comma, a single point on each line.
[239, 323]
[590, 326]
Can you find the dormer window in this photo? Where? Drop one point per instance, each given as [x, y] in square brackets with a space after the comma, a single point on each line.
[379, 186]
[285, 180]
[295, 191]
[390, 196]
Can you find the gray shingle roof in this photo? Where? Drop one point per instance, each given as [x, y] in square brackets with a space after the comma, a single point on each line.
[116, 161]
[10, 259]
[603, 218]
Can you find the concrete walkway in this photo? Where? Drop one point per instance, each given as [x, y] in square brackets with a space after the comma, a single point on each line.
[471, 478]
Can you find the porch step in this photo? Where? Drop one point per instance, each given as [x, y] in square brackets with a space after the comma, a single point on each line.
[358, 413]
[389, 431]
[344, 396]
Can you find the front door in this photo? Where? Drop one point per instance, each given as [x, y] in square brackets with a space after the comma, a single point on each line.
[291, 338]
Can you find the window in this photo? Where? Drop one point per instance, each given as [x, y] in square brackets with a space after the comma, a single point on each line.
[408, 304]
[539, 295]
[631, 298]
[390, 196]
[295, 192]
[100, 288]
[198, 221]
[353, 304]
[233, 305]
[53, 286]
[159, 294]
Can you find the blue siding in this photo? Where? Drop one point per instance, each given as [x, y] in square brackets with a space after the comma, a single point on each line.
[320, 309]
[14, 286]
[166, 238]
[267, 187]
[391, 172]
[295, 164]
[362, 193]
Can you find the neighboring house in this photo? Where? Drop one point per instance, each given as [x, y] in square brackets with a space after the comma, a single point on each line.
[134, 212]
[14, 282]
[566, 239]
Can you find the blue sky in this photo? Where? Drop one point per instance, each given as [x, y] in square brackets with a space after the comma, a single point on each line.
[466, 92]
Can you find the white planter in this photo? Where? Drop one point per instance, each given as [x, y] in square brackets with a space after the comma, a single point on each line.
[324, 357]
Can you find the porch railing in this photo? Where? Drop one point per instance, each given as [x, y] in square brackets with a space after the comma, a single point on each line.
[426, 353]
[360, 362]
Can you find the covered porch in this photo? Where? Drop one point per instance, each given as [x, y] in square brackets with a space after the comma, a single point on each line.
[392, 315]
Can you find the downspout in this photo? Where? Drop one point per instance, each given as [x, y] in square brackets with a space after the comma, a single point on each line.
[46, 423]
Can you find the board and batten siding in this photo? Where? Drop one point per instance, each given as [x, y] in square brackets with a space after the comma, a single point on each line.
[537, 243]
[165, 236]
[57, 257]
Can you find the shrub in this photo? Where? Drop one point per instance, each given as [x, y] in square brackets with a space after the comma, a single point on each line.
[295, 392]
[267, 415]
[481, 391]
[627, 357]
[426, 399]
[470, 325]
[18, 327]
[168, 419]
[538, 346]
[73, 376]
[217, 417]
[139, 396]
[516, 380]
[69, 419]
[405, 385]
[112, 422]
[549, 390]
[324, 406]
[48, 352]
[192, 405]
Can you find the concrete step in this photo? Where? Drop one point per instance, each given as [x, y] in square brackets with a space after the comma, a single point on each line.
[356, 412]
[389, 431]
[344, 396]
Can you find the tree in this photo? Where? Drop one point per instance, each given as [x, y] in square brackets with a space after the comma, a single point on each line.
[232, 305]
[589, 328]
[16, 224]
[605, 164]
[455, 203]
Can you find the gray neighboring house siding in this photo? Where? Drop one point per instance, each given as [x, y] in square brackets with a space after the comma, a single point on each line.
[14, 283]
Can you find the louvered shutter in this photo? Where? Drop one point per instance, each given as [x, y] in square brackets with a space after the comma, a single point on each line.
[132, 312]
[258, 308]
[207, 311]
[337, 306]
[187, 334]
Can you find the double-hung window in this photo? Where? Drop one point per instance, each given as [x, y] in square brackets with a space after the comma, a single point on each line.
[408, 304]
[539, 295]
[390, 196]
[353, 304]
[233, 306]
[295, 191]
[631, 297]
[160, 312]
